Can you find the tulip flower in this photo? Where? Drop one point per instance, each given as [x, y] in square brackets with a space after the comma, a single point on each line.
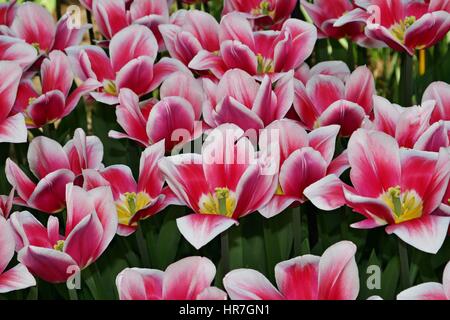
[325, 14]
[186, 279]
[51, 101]
[91, 225]
[7, 13]
[226, 182]
[240, 99]
[327, 99]
[12, 125]
[397, 188]
[135, 201]
[17, 50]
[258, 53]
[439, 92]
[34, 24]
[190, 32]
[405, 26]
[18, 277]
[429, 290]
[303, 159]
[131, 65]
[54, 166]
[333, 276]
[410, 126]
[267, 13]
[114, 16]
[173, 119]
[6, 203]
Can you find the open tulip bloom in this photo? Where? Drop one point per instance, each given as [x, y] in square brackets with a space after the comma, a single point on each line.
[397, 188]
[224, 149]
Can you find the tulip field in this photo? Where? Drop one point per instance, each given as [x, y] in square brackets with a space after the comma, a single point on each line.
[225, 150]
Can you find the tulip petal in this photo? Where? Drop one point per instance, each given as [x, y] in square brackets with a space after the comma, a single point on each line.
[56, 73]
[247, 284]
[200, 229]
[17, 278]
[110, 16]
[46, 156]
[324, 140]
[326, 194]
[212, 293]
[347, 114]
[140, 284]
[237, 55]
[151, 179]
[18, 179]
[17, 50]
[424, 291]
[13, 129]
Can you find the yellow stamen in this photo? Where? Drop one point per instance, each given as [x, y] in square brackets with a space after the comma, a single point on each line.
[223, 202]
[422, 62]
[110, 87]
[405, 206]
[279, 191]
[398, 30]
[59, 245]
[129, 204]
[264, 65]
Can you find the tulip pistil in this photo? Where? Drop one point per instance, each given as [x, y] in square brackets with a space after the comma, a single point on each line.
[222, 202]
[264, 8]
[399, 29]
[59, 245]
[131, 203]
[404, 205]
[264, 65]
[110, 87]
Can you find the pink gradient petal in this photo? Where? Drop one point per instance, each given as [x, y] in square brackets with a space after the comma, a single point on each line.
[56, 73]
[65, 36]
[110, 16]
[18, 179]
[247, 284]
[46, 156]
[424, 291]
[212, 293]
[348, 115]
[237, 55]
[360, 88]
[140, 284]
[13, 129]
[324, 140]
[17, 50]
[10, 73]
[200, 229]
[136, 75]
[326, 194]
[151, 179]
[17, 278]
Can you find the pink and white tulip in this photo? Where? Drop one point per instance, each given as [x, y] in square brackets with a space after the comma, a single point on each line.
[404, 26]
[54, 166]
[18, 277]
[52, 100]
[12, 124]
[238, 98]
[258, 53]
[174, 119]
[34, 24]
[226, 182]
[6, 203]
[327, 99]
[135, 201]
[333, 276]
[7, 13]
[186, 279]
[393, 187]
[303, 160]
[131, 64]
[267, 13]
[429, 290]
[17, 50]
[439, 92]
[91, 225]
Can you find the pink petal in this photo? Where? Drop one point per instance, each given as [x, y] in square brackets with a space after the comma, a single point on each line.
[110, 16]
[446, 280]
[35, 25]
[48, 264]
[339, 165]
[185, 177]
[338, 273]
[336, 69]
[203, 27]
[205, 60]
[56, 73]
[7, 244]
[326, 194]
[304, 106]
[13, 129]
[297, 278]
[90, 62]
[236, 27]
[140, 284]
[132, 42]
[29, 231]
[184, 85]
[181, 45]
[18, 179]
[265, 105]
[375, 169]
[212, 293]
[360, 88]
[120, 179]
[136, 75]
[238, 55]
[386, 115]
[324, 91]
[49, 195]
[47, 108]
[17, 50]
[324, 140]
[277, 205]
[424, 291]
[239, 85]
[164, 68]
[10, 74]
[200, 229]
[151, 179]
[248, 284]
[426, 233]
[17, 278]
[347, 114]
[439, 92]
[66, 36]
[169, 118]
[187, 278]
[46, 156]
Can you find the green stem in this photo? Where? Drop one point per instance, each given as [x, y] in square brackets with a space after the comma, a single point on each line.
[91, 30]
[142, 246]
[225, 251]
[297, 225]
[73, 294]
[404, 264]
[406, 81]
[351, 55]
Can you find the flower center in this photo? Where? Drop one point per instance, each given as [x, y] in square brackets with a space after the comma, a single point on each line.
[223, 202]
[264, 65]
[110, 87]
[399, 29]
[59, 245]
[405, 206]
[129, 204]
[264, 8]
